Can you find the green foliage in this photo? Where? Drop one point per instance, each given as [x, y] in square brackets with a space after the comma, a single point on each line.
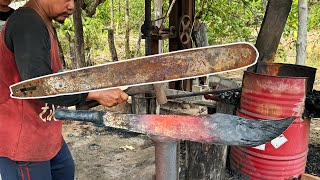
[95, 35]
[227, 21]
[66, 27]
[102, 14]
[291, 28]
[92, 30]
[314, 16]
[231, 20]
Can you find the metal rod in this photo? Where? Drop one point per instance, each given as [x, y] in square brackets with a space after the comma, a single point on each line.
[148, 26]
[158, 19]
[90, 104]
[166, 160]
[191, 94]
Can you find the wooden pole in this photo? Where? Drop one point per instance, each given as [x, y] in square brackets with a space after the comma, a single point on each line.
[127, 36]
[72, 51]
[119, 16]
[272, 28]
[112, 14]
[112, 47]
[79, 41]
[302, 33]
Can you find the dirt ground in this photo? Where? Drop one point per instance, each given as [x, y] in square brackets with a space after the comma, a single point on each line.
[106, 154]
[111, 154]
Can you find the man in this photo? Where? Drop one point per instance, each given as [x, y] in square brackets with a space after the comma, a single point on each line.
[5, 11]
[31, 144]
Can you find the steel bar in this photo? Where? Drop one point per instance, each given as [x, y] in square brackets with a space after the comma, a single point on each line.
[216, 128]
[166, 160]
[191, 94]
[136, 90]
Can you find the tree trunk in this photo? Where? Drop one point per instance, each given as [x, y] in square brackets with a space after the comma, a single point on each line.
[90, 12]
[112, 47]
[119, 16]
[302, 32]
[272, 28]
[72, 51]
[79, 40]
[127, 37]
[138, 44]
[112, 14]
[207, 161]
[264, 5]
[200, 35]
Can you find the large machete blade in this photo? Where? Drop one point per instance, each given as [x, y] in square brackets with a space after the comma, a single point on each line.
[216, 128]
[178, 65]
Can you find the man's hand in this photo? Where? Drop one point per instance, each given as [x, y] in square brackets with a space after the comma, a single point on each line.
[108, 98]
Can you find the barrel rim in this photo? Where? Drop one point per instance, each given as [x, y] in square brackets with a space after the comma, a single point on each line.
[278, 77]
[289, 65]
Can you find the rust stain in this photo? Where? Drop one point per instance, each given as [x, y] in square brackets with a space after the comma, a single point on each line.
[146, 70]
[275, 85]
[273, 96]
[269, 69]
[271, 110]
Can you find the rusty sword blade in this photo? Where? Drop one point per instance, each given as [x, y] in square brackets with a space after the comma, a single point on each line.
[216, 128]
[179, 65]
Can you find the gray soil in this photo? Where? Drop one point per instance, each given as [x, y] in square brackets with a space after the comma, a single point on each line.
[102, 153]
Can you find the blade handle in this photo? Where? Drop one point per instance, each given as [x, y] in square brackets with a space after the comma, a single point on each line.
[78, 115]
[131, 91]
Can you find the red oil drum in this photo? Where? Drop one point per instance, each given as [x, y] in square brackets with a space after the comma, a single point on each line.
[273, 97]
[288, 70]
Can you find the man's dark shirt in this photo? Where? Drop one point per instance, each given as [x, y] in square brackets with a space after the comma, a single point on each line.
[4, 16]
[27, 36]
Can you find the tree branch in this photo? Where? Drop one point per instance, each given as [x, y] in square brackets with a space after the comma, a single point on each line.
[90, 12]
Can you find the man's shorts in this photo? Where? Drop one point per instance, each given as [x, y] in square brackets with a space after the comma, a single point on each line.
[61, 167]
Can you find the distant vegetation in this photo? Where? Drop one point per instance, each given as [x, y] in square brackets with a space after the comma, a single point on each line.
[227, 21]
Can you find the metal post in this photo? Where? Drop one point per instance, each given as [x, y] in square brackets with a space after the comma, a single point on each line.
[165, 158]
[148, 27]
[165, 149]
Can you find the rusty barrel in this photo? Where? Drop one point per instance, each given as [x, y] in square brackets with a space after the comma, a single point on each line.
[288, 70]
[272, 97]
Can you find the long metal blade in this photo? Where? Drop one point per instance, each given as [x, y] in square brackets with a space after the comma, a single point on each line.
[217, 128]
[166, 67]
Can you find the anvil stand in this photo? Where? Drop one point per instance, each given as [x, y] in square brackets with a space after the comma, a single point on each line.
[165, 158]
[165, 149]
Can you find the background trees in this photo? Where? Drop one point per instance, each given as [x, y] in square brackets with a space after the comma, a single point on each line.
[226, 20]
